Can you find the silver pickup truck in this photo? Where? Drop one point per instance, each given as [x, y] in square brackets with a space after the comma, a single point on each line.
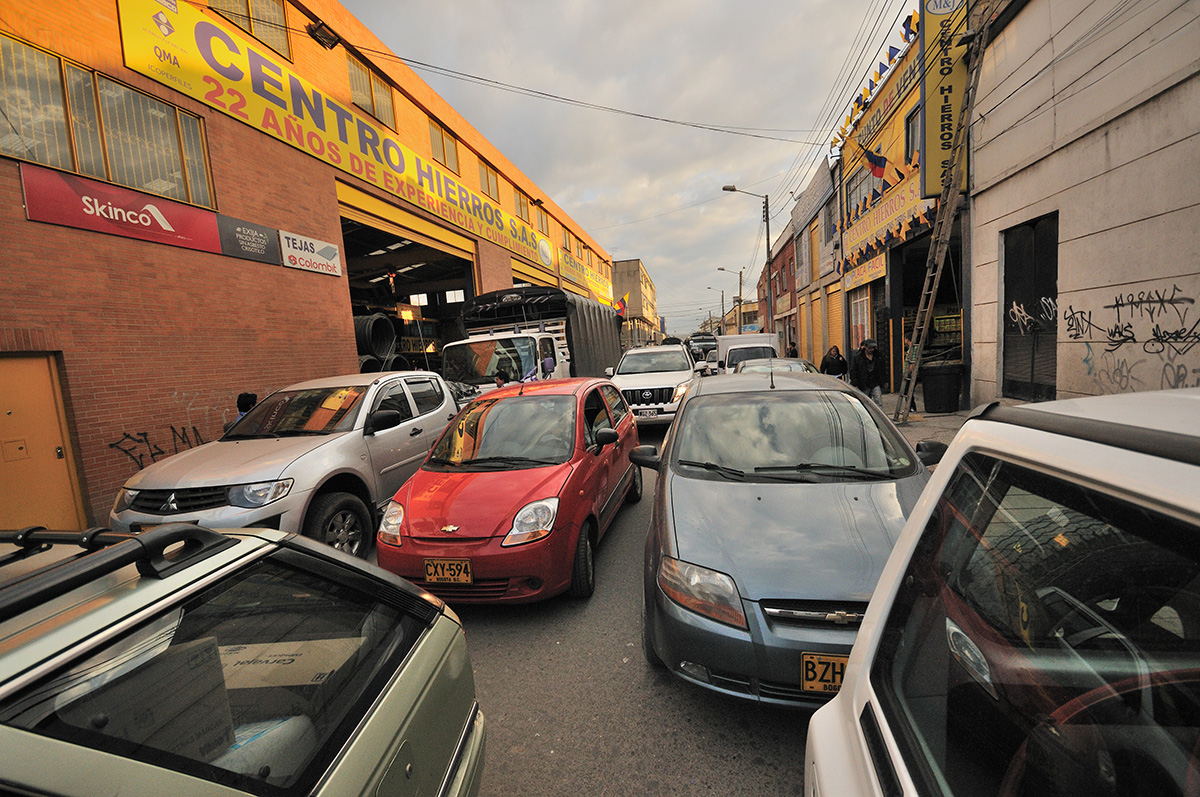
[319, 458]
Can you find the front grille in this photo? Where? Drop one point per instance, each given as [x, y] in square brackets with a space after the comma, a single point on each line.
[480, 590]
[649, 395]
[815, 614]
[180, 501]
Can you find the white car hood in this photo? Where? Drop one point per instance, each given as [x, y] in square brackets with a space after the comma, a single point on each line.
[223, 462]
[653, 379]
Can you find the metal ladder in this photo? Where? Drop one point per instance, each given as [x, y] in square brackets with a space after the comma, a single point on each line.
[944, 221]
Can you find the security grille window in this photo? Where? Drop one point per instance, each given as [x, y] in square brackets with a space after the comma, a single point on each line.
[912, 133]
[543, 222]
[369, 92]
[61, 115]
[489, 181]
[445, 148]
[1031, 310]
[827, 220]
[522, 203]
[263, 19]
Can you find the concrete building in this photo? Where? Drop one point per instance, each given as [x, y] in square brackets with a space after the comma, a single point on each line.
[200, 202]
[1085, 200]
[642, 326]
[820, 300]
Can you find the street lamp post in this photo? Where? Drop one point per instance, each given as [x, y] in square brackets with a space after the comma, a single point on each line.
[739, 298]
[711, 288]
[766, 220]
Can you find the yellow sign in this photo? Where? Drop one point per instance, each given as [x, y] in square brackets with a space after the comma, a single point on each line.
[900, 202]
[870, 271]
[200, 54]
[571, 268]
[942, 23]
[599, 285]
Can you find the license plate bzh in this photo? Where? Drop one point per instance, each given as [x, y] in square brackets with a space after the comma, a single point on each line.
[448, 571]
[821, 673]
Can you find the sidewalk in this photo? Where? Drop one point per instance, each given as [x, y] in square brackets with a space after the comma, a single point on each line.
[926, 426]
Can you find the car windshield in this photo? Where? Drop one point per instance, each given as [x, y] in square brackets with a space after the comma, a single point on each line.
[800, 435]
[272, 659]
[319, 410]
[647, 362]
[477, 363]
[735, 356]
[508, 433]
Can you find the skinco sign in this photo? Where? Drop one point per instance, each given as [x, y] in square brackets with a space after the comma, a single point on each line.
[70, 200]
[205, 57]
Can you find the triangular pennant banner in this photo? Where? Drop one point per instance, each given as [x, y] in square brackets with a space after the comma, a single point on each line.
[892, 53]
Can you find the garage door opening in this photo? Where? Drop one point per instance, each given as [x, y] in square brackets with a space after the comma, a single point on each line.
[406, 296]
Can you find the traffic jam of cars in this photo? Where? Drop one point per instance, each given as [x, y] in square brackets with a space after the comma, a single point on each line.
[1020, 609]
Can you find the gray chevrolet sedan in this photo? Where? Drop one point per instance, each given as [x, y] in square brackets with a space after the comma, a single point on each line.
[779, 498]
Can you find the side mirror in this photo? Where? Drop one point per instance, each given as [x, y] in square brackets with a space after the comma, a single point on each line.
[607, 436]
[930, 452]
[381, 420]
[721, 364]
[608, 371]
[700, 367]
[645, 456]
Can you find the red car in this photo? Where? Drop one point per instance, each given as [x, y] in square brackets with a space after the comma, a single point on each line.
[514, 497]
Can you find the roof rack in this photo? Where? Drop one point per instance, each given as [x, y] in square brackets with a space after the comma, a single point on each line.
[105, 551]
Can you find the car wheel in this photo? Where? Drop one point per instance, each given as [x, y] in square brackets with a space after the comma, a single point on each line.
[634, 493]
[647, 644]
[340, 520]
[583, 574]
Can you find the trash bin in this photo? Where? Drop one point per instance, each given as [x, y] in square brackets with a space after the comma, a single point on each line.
[942, 385]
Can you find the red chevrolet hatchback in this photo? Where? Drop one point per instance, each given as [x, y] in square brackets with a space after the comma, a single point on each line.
[514, 497]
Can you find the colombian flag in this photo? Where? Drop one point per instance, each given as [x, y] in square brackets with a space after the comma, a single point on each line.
[621, 305]
[876, 162]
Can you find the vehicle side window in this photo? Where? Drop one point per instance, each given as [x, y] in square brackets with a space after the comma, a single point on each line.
[427, 394]
[595, 417]
[616, 404]
[271, 658]
[1042, 629]
[394, 398]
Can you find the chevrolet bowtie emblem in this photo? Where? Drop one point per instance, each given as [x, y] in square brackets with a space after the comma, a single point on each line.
[449, 529]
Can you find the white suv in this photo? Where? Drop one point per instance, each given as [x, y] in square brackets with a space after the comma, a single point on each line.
[653, 379]
[1036, 629]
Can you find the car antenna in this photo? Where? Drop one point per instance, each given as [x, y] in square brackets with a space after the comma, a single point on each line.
[521, 390]
[771, 371]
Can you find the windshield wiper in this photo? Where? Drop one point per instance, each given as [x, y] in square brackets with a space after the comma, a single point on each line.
[509, 460]
[813, 467]
[250, 436]
[729, 473]
[441, 461]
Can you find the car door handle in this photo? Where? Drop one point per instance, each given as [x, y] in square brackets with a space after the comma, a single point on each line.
[414, 432]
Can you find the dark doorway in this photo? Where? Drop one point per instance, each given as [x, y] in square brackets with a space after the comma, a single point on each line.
[1031, 310]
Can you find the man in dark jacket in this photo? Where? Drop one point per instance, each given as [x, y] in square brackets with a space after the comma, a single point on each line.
[868, 372]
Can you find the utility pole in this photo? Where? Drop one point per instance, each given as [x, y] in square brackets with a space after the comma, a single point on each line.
[766, 198]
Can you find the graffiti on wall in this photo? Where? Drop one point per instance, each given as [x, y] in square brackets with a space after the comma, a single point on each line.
[1149, 340]
[204, 409]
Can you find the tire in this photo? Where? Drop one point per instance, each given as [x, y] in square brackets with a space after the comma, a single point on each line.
[634, 493]
[342, 521]
[583, 572]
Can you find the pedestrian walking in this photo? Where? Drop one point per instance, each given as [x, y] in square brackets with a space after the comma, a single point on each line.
[834, 363]
[868, 372]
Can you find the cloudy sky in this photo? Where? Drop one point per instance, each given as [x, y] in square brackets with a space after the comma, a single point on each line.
[651, 189]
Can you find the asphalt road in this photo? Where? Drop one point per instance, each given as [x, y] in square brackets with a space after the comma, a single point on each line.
[574, 709]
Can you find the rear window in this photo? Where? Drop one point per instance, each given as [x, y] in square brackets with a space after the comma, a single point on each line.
[256, 683]
[736, 356]
[1045, 641]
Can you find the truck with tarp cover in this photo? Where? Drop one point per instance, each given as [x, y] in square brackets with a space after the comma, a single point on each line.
[532, 333]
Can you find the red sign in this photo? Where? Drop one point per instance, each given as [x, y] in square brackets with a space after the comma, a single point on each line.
[74, 201]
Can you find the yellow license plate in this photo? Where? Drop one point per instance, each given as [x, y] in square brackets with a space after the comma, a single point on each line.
[821, 673]
[448, 571]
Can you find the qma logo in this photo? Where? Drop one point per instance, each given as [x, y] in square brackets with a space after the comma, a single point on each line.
[942, 6]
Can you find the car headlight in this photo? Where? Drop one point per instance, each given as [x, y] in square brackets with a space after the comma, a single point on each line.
[252, 496]
[680, 389]
[125, 499]
[533, 521]
[703, 591]
[389, 527]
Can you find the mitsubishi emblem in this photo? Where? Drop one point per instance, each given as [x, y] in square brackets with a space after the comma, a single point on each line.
[449, 529]
[171, 505]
